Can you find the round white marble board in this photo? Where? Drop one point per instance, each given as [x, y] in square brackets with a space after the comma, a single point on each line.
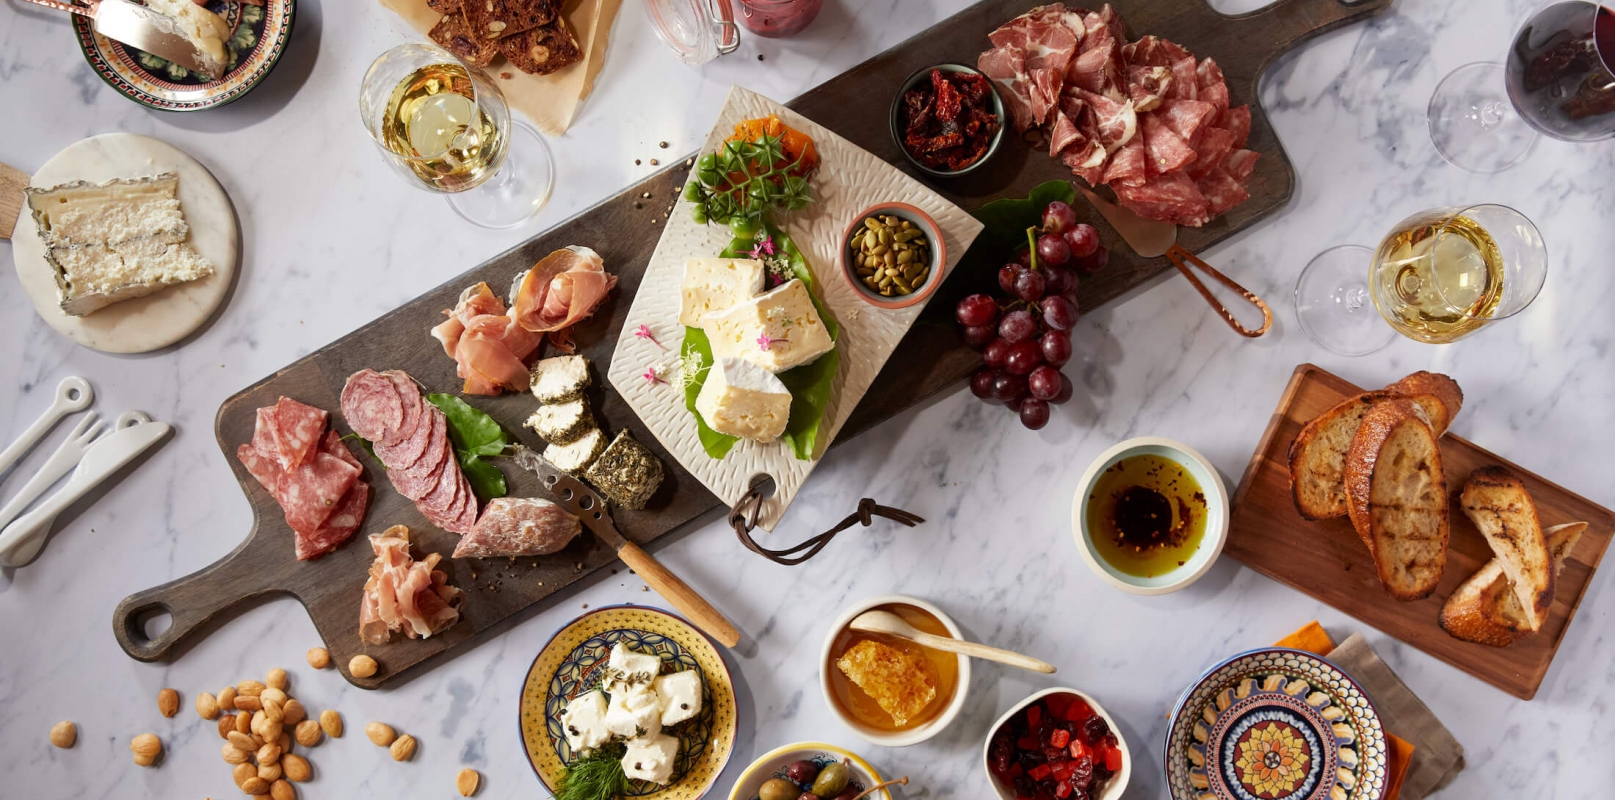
[158, 319]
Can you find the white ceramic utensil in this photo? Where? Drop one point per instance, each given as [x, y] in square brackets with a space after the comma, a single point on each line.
[21, 540]
[72, 394]
[888, 623]
[67, 456]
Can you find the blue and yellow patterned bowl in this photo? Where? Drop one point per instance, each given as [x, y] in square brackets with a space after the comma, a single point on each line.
[773, 763]
[1275, 724]
[572, 663]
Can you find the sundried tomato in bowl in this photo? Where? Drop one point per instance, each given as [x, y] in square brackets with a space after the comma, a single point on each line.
[948, 119]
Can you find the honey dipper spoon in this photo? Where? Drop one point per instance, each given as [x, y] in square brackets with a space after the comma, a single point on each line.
[888, 623]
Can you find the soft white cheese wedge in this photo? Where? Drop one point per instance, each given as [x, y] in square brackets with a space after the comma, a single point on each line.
[742, 399]
[634, 711]
[584, 720]
[679, 696]
[651, 758]
[776, 330]
[626, 668]
[204, 29]
[714, 284]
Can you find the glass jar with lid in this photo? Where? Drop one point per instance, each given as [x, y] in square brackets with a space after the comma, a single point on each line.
[696, 30]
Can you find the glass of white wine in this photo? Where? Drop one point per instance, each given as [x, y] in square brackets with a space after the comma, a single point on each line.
[1439, 276]
[444, 125]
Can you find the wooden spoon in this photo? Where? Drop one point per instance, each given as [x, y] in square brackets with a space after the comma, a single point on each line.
[888, 623]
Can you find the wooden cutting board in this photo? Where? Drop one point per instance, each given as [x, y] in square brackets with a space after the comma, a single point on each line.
[624, 229]
[1325, 559]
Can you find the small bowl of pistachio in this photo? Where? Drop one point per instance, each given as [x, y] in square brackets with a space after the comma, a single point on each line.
[893, 255]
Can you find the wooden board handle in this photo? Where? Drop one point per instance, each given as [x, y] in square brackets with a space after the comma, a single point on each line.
[191, 602]
[1286, 24]
[679, 593]
[12, 182]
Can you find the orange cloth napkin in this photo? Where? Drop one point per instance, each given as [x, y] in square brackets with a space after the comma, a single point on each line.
[1314, 639]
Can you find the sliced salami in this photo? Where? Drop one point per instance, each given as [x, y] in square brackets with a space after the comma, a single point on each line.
[322, 496]
[295, 431]
[265, 470]
[519, 527]
[372, 406]
[412, 401]
[332, 444]
[313, 490]
[418, 479]
[416, 430]
[442, 496]
[339, 527]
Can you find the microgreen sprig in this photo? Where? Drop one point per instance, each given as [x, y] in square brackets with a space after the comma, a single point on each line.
[745, 179]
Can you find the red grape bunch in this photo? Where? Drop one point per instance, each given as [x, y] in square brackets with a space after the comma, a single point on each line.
[1025, 336]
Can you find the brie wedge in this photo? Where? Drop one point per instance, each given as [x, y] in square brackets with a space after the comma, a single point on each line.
[204, 29]
[777, 330]
[742, 399]
[714, 284]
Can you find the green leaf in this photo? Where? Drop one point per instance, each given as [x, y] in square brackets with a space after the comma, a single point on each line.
[472, 431]
[486, 480]
[1007, 219]
[696, 345]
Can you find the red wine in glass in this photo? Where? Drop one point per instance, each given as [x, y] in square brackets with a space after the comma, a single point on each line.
[1561, 71]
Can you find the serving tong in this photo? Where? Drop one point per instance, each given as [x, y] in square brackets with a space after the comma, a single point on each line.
[139, 27]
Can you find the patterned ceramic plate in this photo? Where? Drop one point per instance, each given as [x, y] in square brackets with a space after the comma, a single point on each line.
[1275, 724]
[572, 664]
[260, 30]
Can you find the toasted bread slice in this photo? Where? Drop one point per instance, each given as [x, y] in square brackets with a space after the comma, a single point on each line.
[1318, 457]
[1396, 496]
[1484, 608]
[1496, 501]
[1437, 394]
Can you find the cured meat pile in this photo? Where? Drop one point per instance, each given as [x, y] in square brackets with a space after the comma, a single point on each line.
[411, 438]
[403, 594]
[1142, 117]
[560, 291]
[310, 472]
[519, 526]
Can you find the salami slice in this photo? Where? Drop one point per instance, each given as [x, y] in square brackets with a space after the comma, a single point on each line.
[416, 430]
[339, 527]
[295, 431]
[265, 470]
[372, 406]
[441, 498]
[413, 403]
[332, 444]
[313, 490]
[466, 520]
[418, 479]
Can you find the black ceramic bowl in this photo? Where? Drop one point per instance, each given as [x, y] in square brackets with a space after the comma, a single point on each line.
[924, 75]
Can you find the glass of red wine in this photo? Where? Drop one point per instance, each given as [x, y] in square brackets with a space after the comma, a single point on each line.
[1559, 81]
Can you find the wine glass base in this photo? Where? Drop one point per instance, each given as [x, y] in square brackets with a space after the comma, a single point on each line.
[1333, 304]
[518, 190]
[1473, 123]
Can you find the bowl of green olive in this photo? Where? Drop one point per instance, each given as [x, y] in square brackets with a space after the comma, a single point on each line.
[893, 255]
[811, 770]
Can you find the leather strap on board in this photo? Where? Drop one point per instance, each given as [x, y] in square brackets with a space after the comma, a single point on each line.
[743, 518]
[1178, 255]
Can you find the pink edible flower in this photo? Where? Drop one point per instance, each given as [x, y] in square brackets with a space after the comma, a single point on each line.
[766, 342]
[651, 376]
[643, 332]
[765, 247]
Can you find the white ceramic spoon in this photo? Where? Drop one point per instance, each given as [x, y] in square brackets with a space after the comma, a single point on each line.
[73, 394]
[888, 623]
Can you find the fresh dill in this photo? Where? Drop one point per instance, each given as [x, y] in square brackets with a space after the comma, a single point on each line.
[596, 776]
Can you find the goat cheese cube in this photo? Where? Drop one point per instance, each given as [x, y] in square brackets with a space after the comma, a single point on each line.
[634, 711]
[584, 720]
[679, 696]
[650, 758]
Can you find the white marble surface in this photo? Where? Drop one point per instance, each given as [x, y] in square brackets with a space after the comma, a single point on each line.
[332, 239]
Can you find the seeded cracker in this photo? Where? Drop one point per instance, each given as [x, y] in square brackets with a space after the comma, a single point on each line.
[542, 50]
[627, 473]
[496, 19]
[454, 35]
[443, 6]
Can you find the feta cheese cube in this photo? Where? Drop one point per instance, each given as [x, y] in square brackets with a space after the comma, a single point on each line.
[634, 711]
[777, 330]
[679, 696]
[742, 399]
[584, 720]
[651, 758]
[626, 669]
[714, 284]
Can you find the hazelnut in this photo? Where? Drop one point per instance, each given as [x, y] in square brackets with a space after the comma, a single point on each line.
[466, 782]
[362, 666]
[319, 657]
[331, 723]
[381, 733]
[295, 767]
[207, 705]
[147, 748]
[403, 748]
[63, 734]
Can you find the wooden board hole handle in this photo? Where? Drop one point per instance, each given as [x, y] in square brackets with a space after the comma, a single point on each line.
[190, 603]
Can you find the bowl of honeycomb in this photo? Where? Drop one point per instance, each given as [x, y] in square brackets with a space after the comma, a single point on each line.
[891, 691]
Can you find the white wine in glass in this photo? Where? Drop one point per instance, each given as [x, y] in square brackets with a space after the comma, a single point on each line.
[447, 141]
[1437, 278]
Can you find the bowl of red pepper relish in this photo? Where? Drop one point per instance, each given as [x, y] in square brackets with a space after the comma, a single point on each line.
[1058, 744]
[948, 120]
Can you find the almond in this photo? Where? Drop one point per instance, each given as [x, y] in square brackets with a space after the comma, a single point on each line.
[362, 666]
[284, 742]
[381, 733]
[272, 693]
[272, 709]
[227, 723]
[276, 679]
[293, 712]
[168, 702]
[268, 754]
[254, 785]
[273, 731]
[63, 734]
[281, 790]
[242, 741]
[319, 657]
[207, 705]
[227, 697]
[307, 733]
[147, 748]
[250, 687]
[244, 723]
[331, 723]
[295, 767]
[242, 772]
[234, 755]
[271, 772]
[248, 702]
[466, 782]
[403, 748]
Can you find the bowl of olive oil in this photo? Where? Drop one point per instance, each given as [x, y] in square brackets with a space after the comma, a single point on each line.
[1150, 515]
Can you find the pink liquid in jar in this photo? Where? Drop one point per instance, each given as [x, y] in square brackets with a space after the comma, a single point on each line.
[777, 18]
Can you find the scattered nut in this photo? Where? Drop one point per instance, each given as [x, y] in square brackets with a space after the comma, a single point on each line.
[254, 785]
[227, 698]
[271, 772]
[168, 702]
[284, 742]
[655, 163]
[147, 749]
[276, 679]
[274, 694]
[207, 705]
[307, 733]
[242, 741]
[242, 772]
[234, 755]
[466, 782]
[295, 767]
[268, 754]
[227, 723]
[273, 731]
[362, 666]
[257, 724]
[63, 734]
[248, 702]
[272, 710]
[293, 712]
[331, 723]
[249, 687]
[403, 748]
[244, 723]
[381, 733]
[319, 657]
[281, 790]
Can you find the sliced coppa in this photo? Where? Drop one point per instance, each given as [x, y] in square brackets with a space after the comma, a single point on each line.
[294, 430]
[519, 526]
[373, 407]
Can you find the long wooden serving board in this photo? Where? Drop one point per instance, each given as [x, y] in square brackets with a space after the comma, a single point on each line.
[1327, 561]
[930, 358]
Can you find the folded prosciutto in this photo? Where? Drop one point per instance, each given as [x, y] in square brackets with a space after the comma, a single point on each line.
[403, 594]
[1144, 117]
[486, 343]
[309, 472]
[560, 291]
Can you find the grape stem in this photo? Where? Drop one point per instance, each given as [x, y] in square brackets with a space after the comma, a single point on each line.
[1031, 241]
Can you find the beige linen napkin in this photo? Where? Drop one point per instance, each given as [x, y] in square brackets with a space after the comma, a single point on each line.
[550, 101]
[1437, 756]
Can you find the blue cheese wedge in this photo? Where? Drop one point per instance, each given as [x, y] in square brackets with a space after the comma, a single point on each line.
[633, 712]
[114, 241]
[205, 30]
[574, 457]
[714, 284]
[742, 399]
[559, 379]
[651, 758]
[679, 696]
[776, 330]
[564, 422]
[584, 722]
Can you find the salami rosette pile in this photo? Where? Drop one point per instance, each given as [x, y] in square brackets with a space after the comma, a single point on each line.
[1144, 117]
[411, 438]
[310, 472]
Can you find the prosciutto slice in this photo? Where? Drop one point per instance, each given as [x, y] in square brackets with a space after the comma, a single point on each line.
[560, 291]
[403, 594]
[488, 345]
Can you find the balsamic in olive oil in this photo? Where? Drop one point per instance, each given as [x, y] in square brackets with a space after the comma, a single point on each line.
[1146, 515]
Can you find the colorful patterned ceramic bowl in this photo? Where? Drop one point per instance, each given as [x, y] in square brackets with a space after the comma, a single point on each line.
[773, 764]
[1113, 786]
[1275, 724]
[572, 664]
[260, 31]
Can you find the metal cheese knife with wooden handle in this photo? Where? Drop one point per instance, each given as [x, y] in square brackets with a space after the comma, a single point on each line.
[140, 28]
[591, 508]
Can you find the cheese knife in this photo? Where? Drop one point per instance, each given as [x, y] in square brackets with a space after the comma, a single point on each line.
[140, 28]
[583, 503]
[1153, 239]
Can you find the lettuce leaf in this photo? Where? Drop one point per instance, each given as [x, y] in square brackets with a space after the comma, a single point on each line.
[696, 354]
[475, 436]
[1006, 219]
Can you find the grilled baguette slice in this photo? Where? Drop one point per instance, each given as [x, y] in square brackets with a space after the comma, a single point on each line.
[1437, 394]
[1496, 501]
[1396, 496]
[1318, 457]
[1484, 608]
